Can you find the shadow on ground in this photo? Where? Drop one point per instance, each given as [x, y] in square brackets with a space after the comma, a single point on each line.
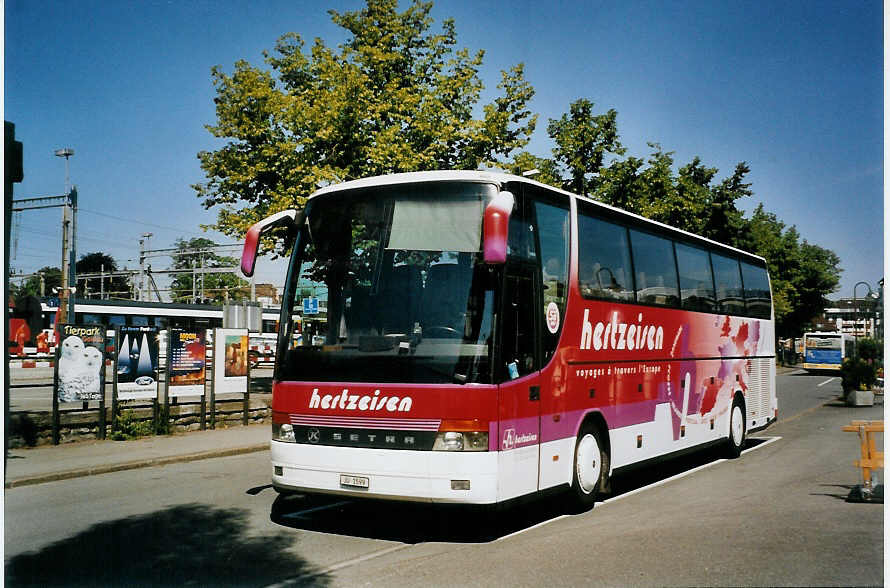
[188, 544]
[418, 523]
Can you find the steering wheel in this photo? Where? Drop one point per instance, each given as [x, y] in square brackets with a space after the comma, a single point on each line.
[441, 332]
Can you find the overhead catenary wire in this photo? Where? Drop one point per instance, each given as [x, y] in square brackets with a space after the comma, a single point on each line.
[142, 222]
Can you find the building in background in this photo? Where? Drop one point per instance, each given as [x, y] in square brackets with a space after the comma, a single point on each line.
[863, 317]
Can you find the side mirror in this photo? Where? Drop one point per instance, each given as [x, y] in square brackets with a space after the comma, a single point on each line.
[495, 226]
[293, 218]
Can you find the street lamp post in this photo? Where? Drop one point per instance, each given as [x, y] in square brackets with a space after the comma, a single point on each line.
[66, 153]
[856, 315]
[69, 238]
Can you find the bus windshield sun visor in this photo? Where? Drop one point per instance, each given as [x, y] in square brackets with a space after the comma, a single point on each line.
[496, 224]
[293, 218]
[444, 224]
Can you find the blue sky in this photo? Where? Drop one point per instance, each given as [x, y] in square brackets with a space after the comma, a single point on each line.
[792, 88]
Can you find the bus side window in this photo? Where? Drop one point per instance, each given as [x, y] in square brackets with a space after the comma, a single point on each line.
[604, 269]
[757, 294]
[696, 279]
[521, 233]
[553, 232]
[656, 272]
[729, 284]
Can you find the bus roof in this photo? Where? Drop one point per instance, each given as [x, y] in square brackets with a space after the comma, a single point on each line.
[499, 179]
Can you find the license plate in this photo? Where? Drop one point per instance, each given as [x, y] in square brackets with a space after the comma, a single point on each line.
[354, 481]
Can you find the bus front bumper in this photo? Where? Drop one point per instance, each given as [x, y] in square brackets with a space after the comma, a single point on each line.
[420, 476]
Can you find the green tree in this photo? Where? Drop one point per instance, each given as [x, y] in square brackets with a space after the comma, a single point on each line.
[819, 275]
[801, 274]
[582, 142]
[724, 222]
[96, 263]
[394, 97]
[548, 170]
[52, 278]
[199, 254]
[622, 185]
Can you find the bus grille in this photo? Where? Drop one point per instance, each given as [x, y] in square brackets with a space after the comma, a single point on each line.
[759, 387]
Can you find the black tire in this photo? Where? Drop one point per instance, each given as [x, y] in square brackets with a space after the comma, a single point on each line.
[590, 468]
[735, 441]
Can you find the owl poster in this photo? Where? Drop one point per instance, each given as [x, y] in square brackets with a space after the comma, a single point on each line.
[80, 363]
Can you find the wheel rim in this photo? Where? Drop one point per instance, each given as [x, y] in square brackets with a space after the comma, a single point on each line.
[737, 426]
[587, 463]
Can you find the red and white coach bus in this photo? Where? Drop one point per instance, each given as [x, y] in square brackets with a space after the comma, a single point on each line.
[489, 337]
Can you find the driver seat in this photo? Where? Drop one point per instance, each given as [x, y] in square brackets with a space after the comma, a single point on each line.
[445, 296]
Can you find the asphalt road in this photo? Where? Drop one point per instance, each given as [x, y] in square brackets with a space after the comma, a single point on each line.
[775, 516]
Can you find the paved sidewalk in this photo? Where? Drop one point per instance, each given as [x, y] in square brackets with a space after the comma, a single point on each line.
[87, 458]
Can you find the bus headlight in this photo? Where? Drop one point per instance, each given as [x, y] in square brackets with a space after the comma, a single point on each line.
[283, 432]
[461, 441]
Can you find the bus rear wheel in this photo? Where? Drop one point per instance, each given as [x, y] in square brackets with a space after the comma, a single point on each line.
[736, 440]
[591, 467]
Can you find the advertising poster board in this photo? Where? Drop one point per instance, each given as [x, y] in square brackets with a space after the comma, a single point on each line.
[230, 361]
[80, 363]
[187, 362]
[137, 363]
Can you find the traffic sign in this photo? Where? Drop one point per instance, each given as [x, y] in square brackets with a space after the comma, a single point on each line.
[310, 305]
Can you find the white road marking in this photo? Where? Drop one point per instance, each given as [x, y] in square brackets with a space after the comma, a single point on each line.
[825, 382]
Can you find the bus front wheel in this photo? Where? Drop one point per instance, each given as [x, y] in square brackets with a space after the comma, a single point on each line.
[591, 467]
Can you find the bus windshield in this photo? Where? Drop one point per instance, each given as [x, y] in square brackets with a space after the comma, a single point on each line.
[408, 295]
[823, 342]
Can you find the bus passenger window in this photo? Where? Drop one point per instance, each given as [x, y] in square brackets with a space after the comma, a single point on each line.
[553, 232]
[757, 294]
[696, 280]
[656, 273]
[603, 260]
[729, 284]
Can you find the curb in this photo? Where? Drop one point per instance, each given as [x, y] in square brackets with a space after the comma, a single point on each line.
[132, 465]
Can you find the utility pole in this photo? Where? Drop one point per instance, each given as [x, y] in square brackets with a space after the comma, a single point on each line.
[66, 296]
[63, 291]
[203, 297]
[142, 286]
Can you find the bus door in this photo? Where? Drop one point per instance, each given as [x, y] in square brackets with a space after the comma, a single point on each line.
[519, 395]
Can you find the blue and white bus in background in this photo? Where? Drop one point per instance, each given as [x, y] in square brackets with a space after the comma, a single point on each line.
[826, 351]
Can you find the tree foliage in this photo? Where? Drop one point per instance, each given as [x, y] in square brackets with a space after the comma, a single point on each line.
[96, 263]
[582, 142]
[801, 273]
[199, 254]
[395, 97]
[52, 278]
